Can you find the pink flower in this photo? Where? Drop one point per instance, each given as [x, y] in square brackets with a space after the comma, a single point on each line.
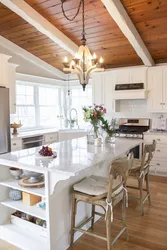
[105, 110]
[96, 106]
[95, 115]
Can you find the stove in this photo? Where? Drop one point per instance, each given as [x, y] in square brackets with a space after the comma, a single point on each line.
[132, 128]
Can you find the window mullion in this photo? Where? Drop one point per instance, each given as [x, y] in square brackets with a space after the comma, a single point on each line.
[36, 102]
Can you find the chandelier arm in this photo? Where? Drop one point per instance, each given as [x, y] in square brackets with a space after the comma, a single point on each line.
[62, 7]
[92, 70]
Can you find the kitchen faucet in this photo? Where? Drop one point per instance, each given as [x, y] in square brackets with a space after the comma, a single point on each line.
[73, 109]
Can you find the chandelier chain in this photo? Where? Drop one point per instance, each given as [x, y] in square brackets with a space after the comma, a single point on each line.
[62, 7]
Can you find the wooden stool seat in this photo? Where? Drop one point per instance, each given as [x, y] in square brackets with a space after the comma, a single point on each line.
[97, 185]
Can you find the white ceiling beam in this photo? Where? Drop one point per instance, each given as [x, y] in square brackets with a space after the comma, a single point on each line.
[120, 16]
[25, 11]
[31, 58]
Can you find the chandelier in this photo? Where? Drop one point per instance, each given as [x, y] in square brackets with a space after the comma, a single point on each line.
[84, 63]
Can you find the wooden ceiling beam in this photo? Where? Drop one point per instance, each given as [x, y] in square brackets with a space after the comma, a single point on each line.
[120, 16]
[25, 11]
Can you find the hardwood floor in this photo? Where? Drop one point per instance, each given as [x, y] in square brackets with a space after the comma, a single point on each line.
[145, 233]
[148, 232]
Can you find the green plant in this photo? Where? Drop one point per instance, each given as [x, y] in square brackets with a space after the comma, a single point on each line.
[109, 127]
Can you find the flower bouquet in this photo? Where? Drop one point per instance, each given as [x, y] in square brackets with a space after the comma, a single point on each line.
[94, 114]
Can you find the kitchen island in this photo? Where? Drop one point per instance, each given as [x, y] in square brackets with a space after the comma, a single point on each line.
[75, 160]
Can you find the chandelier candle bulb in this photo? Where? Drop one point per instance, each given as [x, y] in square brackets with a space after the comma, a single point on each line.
[94, 56]
[101, 60]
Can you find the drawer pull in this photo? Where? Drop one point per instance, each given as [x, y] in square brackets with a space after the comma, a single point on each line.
[158, 139]
[158, 164]
[14, 144]
[50, 137]
[158, 150]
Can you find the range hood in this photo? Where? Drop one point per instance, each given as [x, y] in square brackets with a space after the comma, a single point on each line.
[130, 91]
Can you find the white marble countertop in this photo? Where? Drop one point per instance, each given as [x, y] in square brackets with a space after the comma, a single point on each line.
[43, 131]
[153, 132]
[73, 156]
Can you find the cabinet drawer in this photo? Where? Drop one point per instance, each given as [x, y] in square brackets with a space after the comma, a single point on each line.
[161, 151]
[16, 144]
[160, 165]
[51, 137]
[161, 139]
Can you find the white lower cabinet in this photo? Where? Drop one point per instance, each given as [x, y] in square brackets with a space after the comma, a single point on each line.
[16, 144]
[51, 138]
[159, 162]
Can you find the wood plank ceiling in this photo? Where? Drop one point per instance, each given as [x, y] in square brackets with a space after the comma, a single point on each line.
[103, 35]
[150, 19]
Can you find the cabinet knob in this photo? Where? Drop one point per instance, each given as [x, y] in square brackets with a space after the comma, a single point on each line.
[158, 164]
[14, 144]
[158, 139]
[158, 150]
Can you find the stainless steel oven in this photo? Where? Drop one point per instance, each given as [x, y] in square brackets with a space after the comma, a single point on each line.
[34, 141]
[133, 128]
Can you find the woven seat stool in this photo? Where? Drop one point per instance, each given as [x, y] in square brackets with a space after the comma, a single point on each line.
[106, 193]
[140, 171]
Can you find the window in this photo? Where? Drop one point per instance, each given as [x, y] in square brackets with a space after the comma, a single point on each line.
[42, 106]
[25, 104]
[80, 98]
[37, 105]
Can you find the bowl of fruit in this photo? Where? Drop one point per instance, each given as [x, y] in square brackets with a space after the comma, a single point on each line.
[46, 152]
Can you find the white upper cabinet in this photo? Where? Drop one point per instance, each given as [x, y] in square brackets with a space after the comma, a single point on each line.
[108, 86]
[12, 86]
[139, 75]
[131, 75]
[157, 87]
[97, 88]
[4, 70]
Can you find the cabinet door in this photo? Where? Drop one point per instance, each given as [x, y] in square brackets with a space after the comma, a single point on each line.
[155, 88]
[97, 88]
[164, 89]
[122, 76]
[139, 75]
[12, 86]
[109, 84]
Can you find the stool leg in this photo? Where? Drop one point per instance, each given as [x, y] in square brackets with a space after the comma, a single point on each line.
[141, 195]
[108, 231]
[93, 215]
[73, 213]
[124, 216]
[148, 187]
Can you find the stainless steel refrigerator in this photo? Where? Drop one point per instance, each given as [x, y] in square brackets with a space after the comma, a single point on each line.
[5, 145]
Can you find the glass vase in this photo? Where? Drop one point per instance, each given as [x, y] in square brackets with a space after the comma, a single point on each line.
[110, 139]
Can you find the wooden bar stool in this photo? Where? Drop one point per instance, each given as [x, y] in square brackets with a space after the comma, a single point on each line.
[140, 171]
[106, 193]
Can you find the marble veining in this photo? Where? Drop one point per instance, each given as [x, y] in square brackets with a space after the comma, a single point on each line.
[73, 156]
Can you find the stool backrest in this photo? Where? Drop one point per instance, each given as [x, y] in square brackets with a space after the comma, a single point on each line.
[149, 150]
[120, 167]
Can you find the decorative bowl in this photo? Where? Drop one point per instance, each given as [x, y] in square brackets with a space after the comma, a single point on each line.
[16, 173]
[34, 176]
[15, 126]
